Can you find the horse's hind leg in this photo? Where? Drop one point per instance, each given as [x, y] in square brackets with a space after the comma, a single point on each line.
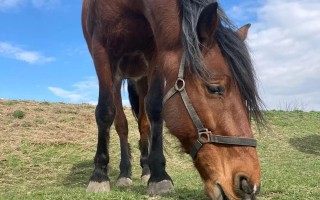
[144, 129]
[105, 113]
[121, 126]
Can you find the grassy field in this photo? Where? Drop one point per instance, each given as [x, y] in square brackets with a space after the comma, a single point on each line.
[46, 152]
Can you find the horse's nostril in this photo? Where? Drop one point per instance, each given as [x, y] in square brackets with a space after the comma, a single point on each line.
[245, 186]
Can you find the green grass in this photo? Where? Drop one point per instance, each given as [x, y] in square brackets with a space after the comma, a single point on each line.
[18, 114]
[48, 155]
[290, 155]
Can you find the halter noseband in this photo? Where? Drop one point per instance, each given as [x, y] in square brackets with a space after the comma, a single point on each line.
[204, 135]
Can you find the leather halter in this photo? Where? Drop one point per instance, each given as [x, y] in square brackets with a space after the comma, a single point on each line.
[204, 135]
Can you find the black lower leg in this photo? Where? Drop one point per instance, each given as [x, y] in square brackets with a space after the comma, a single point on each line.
[144, 149]
[157, 162]
[104, 117]
[125, 164]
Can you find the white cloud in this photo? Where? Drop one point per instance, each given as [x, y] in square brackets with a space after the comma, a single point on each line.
[31, 57]
[70, 95]
[6, 5]
[285, 43]
[9, 4]
[86, 91]
[125, 103]
[45, 3]
[92, 102]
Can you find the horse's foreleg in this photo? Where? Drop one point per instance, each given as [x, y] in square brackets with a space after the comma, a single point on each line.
[159, 182]
[105, 113]
[121, 125]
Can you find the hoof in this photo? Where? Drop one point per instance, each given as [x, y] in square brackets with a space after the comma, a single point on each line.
[124, 182]
[145, 178]
[98, 187]
[160, 188]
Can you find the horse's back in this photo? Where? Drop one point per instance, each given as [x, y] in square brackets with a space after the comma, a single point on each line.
[120, 24]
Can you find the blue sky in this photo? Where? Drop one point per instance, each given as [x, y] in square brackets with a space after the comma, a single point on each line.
[50, 38]
[43, 55]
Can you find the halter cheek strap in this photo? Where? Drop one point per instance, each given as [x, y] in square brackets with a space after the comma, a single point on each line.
[204, 135]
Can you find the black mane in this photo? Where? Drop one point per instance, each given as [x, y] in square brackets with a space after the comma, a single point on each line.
[234, 50]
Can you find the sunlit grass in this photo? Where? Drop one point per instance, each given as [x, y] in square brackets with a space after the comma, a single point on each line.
[48, 154]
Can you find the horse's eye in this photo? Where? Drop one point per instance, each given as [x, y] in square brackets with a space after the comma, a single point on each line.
[215, 89]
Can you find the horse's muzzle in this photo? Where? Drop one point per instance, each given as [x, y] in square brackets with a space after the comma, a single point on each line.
[245, 191]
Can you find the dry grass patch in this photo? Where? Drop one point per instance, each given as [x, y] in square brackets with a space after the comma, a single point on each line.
[55, 123]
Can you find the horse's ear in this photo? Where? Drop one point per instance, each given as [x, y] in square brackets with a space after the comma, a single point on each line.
[208, 22]
[243, 32]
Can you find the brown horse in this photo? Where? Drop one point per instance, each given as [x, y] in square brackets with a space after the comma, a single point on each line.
[188, 65]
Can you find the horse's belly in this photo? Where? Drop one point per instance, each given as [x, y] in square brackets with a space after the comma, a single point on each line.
[133, 66]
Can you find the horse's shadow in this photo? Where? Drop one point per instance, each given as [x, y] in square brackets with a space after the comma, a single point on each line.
[309, 144]
[80, 173]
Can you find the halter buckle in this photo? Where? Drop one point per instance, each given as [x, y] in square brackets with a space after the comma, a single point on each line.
[180, 85]
[204, 135]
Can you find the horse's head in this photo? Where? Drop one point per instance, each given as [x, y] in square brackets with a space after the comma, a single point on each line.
[207, 107]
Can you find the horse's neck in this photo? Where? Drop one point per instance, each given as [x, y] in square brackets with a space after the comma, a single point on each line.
[164, 19]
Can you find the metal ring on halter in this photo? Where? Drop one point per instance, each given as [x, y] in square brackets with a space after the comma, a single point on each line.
[204, 136]
[177, 87]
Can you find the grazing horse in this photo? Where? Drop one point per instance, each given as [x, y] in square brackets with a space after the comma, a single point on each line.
[187, 65]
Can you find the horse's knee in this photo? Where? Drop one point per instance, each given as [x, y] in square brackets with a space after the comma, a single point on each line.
[105, 115]
[154, 108]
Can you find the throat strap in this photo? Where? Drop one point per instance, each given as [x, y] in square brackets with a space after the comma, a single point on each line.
[224, 140]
